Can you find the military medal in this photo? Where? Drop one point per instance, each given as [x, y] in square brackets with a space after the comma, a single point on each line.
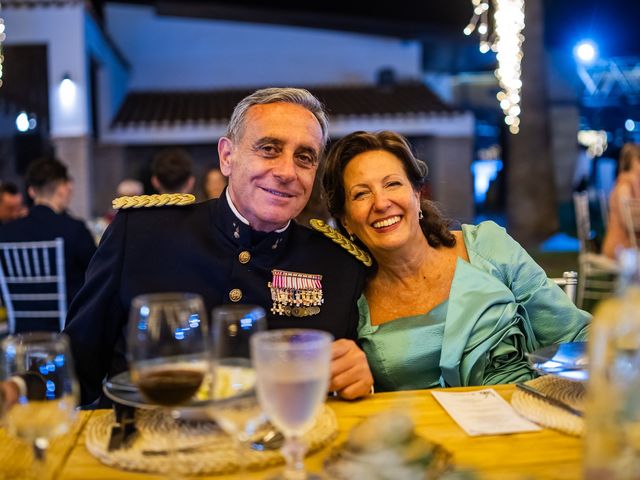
[295, 294]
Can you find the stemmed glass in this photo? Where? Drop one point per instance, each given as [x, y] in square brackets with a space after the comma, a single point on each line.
[36, 418]
[168, 351]
[292, 368]
[232, 327]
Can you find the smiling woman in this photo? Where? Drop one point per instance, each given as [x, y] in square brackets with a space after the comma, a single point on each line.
[441, 308]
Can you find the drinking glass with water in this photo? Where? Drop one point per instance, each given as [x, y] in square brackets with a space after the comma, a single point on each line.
[292, 368]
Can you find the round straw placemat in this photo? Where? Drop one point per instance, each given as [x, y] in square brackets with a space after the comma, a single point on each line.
[202, 448]
[546, 414]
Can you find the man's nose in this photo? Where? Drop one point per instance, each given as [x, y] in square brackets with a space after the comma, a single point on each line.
[285, 167]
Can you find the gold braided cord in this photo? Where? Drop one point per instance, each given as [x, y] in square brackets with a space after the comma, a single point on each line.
[341, 240]
[143, 201]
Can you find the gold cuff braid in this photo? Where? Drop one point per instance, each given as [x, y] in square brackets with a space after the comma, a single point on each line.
[341, 240]
[143, 201]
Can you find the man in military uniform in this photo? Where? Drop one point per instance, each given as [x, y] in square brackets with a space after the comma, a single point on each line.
[243, 247]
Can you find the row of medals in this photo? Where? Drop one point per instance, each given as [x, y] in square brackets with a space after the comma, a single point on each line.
[295, 302]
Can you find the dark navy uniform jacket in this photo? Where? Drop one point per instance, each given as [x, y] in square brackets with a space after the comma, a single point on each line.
[197, 248]
[43, 223]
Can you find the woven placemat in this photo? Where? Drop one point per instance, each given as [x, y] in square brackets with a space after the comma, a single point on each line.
[212, 451]
[546, 414]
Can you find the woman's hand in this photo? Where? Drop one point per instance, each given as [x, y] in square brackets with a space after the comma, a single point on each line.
[350, 373]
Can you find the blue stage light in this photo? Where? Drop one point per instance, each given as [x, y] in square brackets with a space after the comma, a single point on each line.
[586, 51]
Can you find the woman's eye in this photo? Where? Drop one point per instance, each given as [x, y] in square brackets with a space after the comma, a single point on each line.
[394, 183]
[359, 195]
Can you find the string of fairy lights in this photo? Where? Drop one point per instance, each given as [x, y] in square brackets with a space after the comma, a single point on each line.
[505, 39]
[2, 37]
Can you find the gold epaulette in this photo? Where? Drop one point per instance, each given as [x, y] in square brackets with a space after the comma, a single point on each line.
[140, 201]
[341, 240]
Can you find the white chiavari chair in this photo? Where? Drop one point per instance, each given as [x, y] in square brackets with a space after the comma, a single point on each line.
[32, 281]
[596, 272]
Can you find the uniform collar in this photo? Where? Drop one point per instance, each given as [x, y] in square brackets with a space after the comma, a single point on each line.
[239, 215]
[235, 227]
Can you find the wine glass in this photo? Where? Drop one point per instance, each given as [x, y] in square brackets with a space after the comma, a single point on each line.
[168, 352]
[239, 415]
[292, 368]
[48, 408]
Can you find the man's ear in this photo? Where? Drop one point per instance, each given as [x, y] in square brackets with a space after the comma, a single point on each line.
[225, 150]
[31, 192]
[188, 187]
[156, 184]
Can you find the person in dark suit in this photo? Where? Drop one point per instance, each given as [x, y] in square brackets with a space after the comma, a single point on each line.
[243, 247]
[11, 204]
[50, 187]
[172, 171]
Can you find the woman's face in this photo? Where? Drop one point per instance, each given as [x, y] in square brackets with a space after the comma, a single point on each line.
[635, 165]
[381, 206]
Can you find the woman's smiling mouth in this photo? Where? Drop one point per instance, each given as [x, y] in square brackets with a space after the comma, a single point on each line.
[387, 222]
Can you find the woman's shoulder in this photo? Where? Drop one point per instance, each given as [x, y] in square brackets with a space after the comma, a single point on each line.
[483, 232]
[489, 241]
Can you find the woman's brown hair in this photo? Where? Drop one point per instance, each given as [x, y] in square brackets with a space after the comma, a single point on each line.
[628, 152]
[434, 226]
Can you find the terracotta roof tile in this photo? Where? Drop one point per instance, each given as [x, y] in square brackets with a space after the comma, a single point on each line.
[147, 108]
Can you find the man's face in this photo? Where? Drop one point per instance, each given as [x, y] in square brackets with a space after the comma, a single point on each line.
[11, 207]
[272, 166]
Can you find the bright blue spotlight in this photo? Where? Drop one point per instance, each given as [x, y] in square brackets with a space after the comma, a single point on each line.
[629, 125]
[586, 51]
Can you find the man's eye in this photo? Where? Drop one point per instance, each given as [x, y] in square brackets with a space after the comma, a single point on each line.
[269, 149]
[306, 160]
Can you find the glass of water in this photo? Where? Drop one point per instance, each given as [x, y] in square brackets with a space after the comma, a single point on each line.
[44, 412]
[237, 411]
[292, 368]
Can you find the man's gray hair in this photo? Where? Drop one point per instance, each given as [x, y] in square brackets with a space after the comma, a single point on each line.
[298, 96]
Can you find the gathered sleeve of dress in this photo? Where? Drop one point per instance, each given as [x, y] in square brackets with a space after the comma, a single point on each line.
[501, 306]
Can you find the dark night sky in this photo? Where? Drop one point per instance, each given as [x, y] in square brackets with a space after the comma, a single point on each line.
[611, 24]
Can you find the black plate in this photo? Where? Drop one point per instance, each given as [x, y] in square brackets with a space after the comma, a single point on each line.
[121, 389]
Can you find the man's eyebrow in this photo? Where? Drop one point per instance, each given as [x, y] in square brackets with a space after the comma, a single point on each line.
[262, 140]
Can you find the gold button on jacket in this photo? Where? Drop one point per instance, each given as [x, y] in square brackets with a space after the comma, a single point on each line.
[235, 295]
[244, 257]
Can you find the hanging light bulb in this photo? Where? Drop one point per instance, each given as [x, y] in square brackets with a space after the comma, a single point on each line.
[506, 40]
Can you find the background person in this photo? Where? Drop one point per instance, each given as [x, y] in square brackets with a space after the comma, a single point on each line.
[627, 186]
[50, 187]
[172, 171]
[30, 385]
[213, 183]
[12, 204]
[440, 308]
[230, 250]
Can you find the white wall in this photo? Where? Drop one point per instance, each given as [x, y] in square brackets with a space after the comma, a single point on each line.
[61, 28]
[169, 53]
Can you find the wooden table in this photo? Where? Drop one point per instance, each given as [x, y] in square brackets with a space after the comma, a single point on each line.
[535, 455]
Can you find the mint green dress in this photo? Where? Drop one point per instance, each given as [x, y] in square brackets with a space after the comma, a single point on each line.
[501, 305]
